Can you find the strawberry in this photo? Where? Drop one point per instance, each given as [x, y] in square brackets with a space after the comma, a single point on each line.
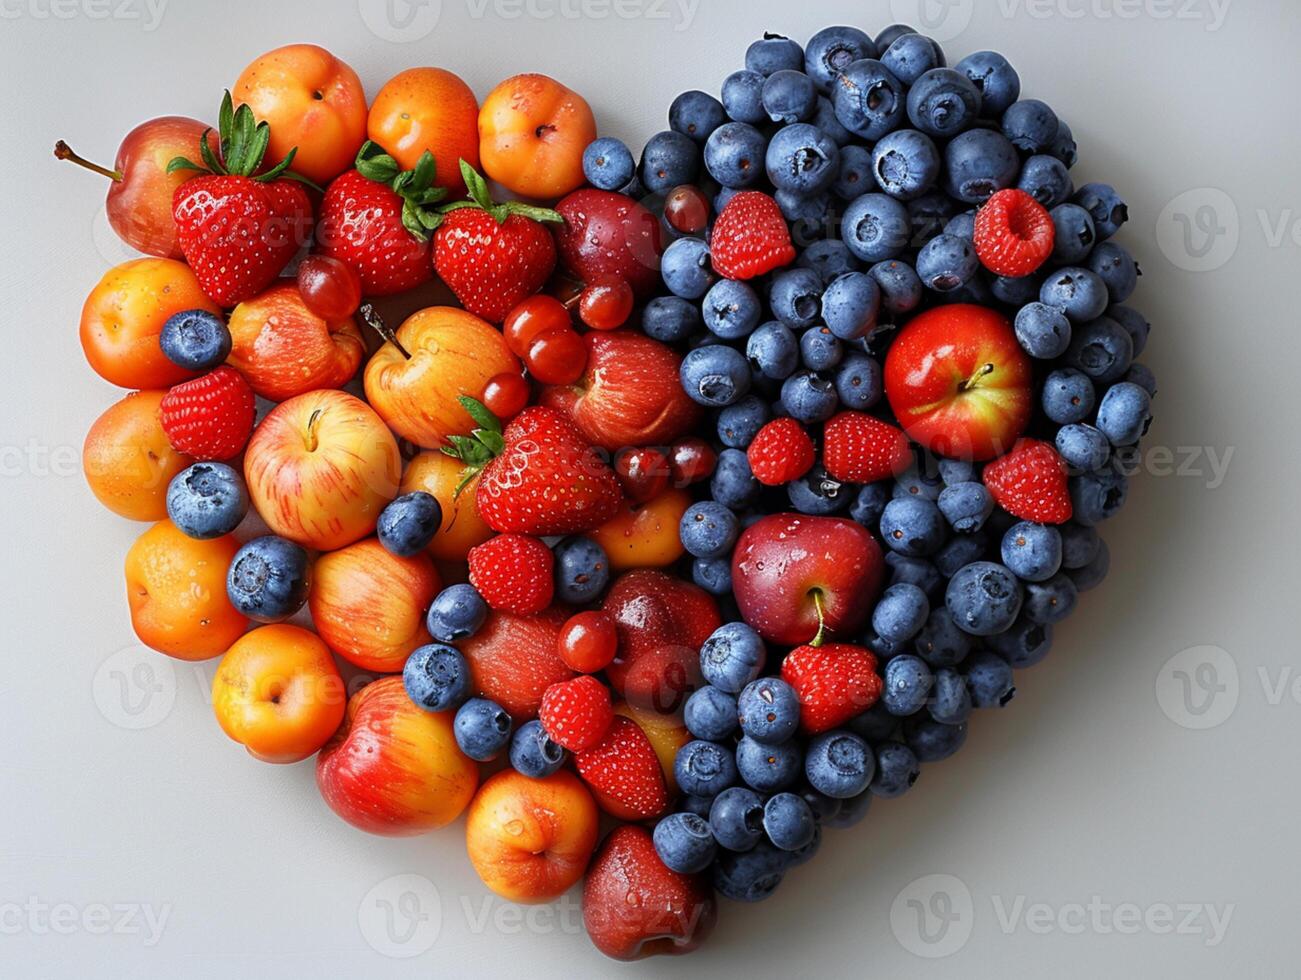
[834, 683]
[576, 713]
[209, 418]
[539, 477]
[378, 220]
[1030, 483]
[780, 452]
[860, 448]
[238, 231]
[750, 237]
[624, 773]
[491, 255]
[513, 572]
[513, 659]
[1014, 233]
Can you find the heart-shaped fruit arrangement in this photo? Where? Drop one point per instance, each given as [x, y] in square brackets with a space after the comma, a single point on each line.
[738, 479]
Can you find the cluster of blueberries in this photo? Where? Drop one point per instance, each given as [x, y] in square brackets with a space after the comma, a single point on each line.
[878, 155]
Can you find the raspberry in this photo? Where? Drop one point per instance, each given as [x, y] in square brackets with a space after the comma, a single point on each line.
[209, 418]
[750, 237]
[513, 572]
[576, 714]
[780, 452]
[1014, 234]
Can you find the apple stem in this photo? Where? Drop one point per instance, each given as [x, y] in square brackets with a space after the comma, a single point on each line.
[370, 316]
[64, 152]
[820, 637]
[972, 381]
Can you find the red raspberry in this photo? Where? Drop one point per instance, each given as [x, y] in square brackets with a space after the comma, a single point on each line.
[750, 237]
[576, 713]
[780, 452]
[1030, 482]
[859, 448]
[513, 572]
[209, 418]
[1014, 233]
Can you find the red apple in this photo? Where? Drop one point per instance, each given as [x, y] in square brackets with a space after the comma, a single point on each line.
[959, 383]
[607, 234]
[629, 394]
[795, 575]
[634, 906]
[514, 659]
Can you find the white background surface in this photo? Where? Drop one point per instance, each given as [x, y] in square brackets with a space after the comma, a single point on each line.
[1084, 787]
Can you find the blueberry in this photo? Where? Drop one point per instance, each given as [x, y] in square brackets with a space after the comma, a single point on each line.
[1134, 323]
[858, 382]
[941, 643]
[914, 483]
[943, 103]
[268, 580]
[436, 677]
[960, 550]
[896, 770]
[989, 680]
[1046, 179]
[906, 164]
[1088, 576]
[704, 768]
[900, 612]
[710, 713]
[1124, 413]
[818, 493]
[608, 164]
[1043, 331]
[854, 176]
[918, 571]
[1079, 293]
[1032, 551]
[933, 741]
[1073, 234]
[1031, 125]
[851, 811]
[789, 96]
[769, 768]
[820, 349]
[736, 818]
[809, 398]
[749, 876]
[1098, 496]
[773, 350]
[733, 484]
[742, 96]
[768, 710]
[839, 764]
[684, 843]
[796, 297]
[671, 319]
[891, 34]
[947, 262]
[409, 523]
[732, 657]
[709, 530]
[1080, 544]
[196, 340]
[714, 575]
[738, 423]
[1141, 375]
[1082, 446]
[809, 214]
[802, 159]
[868, 99]
[966, 506]
[734, 154]
[532, 753]
[824, 118]
[207, 500]
[1024, 644]
[696, 114]
[832, 50]
[482, 729]
[715, 375]
[876, 227]
[1102, 349]
[875, 724]
[954, 471]
[869, 503]
[907, 685]
[912, 526]
[686, 269]
[582, 570]
[983, 598]
[996, 79]
[1117, 269]
[1063, 147]
[1051, 601]
[788, 821]
[829, 258]
[950, 701]
[731, 309]
[901, 287]
[979, 162]
[773, 53]
[1014, 290]
[668, 160]
[456, 612]
[850, 304]
[1068, 396]
[1105, 206]
[911, 56]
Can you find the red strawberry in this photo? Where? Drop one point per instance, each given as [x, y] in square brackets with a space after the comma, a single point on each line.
[539, 477]
[513, 659]
[377, 219]
[238, 231]
[834, 682]
[859, 448]
[1030, 483]
[750, 237]
[209, 418]
[780, 452]
[576, 713]
[513, 572]
[492, 256]
[624, 773]
[1014, 233]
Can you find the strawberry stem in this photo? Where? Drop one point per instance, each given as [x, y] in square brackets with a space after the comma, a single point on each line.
[64, 152]
[480, 197]
[370, 316]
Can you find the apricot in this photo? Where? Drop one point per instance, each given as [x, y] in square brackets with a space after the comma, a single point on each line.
[428, 109]
[440, 475]
[532, 133]
[645, 535]
[127, 459]
[176, 588]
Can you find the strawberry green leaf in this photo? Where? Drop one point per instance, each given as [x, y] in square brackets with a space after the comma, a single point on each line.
[479, 412]
[494, 441]
[210, 158]
[225, 123]
[426, 169]
[414, 221]
[374, 164]
[182, 163]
